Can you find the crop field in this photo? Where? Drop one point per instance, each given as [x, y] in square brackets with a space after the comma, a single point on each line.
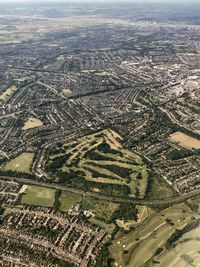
[8, 93]
[39, 196]
[140, 246]
[21, 163]
[100, 158]
[68, 199]
[185, 141]
[32, 123]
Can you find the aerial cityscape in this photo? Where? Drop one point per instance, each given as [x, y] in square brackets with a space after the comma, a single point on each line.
[100, 134]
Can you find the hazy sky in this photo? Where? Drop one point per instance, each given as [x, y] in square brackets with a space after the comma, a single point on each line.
[99, 1]
[103, 1]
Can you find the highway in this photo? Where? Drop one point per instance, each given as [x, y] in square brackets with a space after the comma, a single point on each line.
[144, 202]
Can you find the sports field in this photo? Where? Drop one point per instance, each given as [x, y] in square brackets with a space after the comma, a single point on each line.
[185, 140]
[39, 196]
[32, 123]
[21, 163]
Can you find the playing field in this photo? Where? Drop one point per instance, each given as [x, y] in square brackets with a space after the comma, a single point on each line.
[21, 163]
[32, 123]
[185, 140]
[38, 196]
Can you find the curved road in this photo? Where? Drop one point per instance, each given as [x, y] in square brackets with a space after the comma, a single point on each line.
[145, 202]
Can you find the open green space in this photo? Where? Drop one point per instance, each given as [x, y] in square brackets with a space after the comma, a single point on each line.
[99, 159]
[184, 250]
[32, 123]
[8, 93]
[194, 203]
[68, 199]
[100, 208]
[185, 140]
[158, 188]
[39, 196]
[109, 227]
[139, 247]
[139, 215]
[21, 163]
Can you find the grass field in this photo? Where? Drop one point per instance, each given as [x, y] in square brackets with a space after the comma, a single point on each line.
[185, 253]
[66, 92]
[21, 163]
[39, 196]
[137, 247]
[8, 93]
[159, 189]
[194, 203]
[32, 123]
[102, 211]
[101, 158]
[68, 199]
[185, 141]
[100, 208]
[109, 228]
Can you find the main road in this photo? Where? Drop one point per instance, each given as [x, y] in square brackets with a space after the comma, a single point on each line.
[144, 202]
